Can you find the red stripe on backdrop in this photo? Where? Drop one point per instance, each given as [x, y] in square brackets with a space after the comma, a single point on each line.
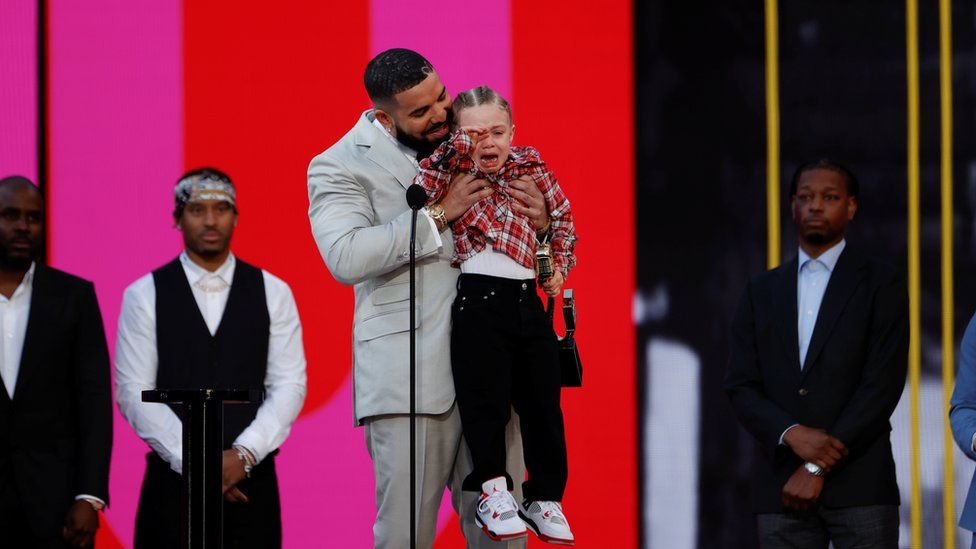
[266, 89]
[573, 97]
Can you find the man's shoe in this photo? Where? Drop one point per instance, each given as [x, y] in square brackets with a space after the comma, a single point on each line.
[546, 520]
[497, 512]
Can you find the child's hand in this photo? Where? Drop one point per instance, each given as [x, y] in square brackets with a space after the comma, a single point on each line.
[554, 284]
[476, 133]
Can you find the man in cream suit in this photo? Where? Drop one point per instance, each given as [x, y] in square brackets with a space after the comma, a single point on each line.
[361, 223]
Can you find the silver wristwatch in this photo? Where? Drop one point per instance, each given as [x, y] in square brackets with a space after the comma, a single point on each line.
[814, 469]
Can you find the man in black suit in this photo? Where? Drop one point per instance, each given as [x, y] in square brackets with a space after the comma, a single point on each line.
[55, 403]
[818, 360]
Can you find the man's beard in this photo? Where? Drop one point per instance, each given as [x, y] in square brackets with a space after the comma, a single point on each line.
[16, 262]
[818, 239]
[423, 147]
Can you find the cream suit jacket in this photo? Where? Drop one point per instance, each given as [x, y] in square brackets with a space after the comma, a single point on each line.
[361, 224]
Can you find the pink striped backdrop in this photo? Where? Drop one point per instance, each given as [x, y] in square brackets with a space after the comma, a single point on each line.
[117, 141]
[18, 94]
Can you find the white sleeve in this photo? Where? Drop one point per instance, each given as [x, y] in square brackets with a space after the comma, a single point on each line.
[136, 364]
[433, 227]
[342, 219]
[782, 436]
[284, 380]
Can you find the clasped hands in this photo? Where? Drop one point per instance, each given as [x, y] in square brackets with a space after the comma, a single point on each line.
[233, 469]
[816, 446]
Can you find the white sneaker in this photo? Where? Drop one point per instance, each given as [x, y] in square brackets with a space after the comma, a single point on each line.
[546, 520]
[497, 512]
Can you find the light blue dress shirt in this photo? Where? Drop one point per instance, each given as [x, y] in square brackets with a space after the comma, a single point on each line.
[811, 283]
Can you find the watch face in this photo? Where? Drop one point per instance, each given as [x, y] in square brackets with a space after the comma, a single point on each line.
[813, 469]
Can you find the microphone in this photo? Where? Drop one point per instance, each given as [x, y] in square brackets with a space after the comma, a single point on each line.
[447, 156]
[416, 196]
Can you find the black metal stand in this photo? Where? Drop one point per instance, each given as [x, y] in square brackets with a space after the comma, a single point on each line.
[413, 381]
[416, 198]
[203, 432]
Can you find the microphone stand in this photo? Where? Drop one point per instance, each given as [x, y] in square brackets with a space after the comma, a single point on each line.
[413, 378]
[416, 198]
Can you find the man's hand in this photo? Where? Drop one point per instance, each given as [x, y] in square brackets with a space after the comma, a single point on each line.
[529, 201]
[816, 446]
[463, 192]
[80, 524]
[802, 490]
[234, 495]
[233, 469]
[554, 284]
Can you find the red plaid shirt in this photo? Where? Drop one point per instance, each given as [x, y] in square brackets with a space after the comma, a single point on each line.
[492, 219]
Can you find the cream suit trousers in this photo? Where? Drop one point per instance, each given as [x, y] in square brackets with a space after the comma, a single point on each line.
[443, 461]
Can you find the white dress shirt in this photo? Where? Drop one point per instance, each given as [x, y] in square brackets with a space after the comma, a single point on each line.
[811, 283]
[412, 157]
[14, 312]
[137, 361]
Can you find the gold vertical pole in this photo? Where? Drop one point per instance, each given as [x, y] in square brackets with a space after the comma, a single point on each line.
[948, 335]
[914, 264]
[772, 135]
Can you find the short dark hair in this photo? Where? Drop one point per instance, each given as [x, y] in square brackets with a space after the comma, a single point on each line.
[18, 180]
[394, 71]
[826, 164]
[204, 172]
[21, 181]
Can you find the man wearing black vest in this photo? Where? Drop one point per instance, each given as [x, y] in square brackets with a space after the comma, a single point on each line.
[209, 320]
[55, 396]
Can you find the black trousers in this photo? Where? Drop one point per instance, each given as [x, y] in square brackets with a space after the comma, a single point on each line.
[20, 524]
[864, 527]
[503, 354]
[15, 530]
[255, 524]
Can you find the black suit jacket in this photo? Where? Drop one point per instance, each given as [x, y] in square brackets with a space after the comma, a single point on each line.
[56, 433]
[852, 381]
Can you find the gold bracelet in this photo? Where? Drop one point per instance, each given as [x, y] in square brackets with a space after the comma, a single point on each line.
[436, 212]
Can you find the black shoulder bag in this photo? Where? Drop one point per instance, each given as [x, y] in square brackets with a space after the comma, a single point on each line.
[571, 367]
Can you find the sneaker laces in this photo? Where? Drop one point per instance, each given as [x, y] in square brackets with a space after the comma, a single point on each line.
[550, 510]
[499, 503]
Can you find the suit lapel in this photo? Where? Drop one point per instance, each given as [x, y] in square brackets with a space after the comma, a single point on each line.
[843, 281]
[43, 310]
[384, 153]
[785, 310]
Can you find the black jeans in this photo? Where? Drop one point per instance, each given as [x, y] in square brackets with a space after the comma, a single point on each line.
[865, 527]
[255, 524]
[503, 354]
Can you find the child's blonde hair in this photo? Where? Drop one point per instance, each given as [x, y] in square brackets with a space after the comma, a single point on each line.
[482, 95]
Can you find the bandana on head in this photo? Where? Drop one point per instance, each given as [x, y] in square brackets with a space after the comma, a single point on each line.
[197, 188]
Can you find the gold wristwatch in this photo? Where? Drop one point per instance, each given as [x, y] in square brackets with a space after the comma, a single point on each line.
[436, 212]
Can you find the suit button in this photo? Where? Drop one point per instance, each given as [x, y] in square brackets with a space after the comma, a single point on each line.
[803, 392]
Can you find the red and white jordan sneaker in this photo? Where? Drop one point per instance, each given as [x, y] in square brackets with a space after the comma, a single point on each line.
[497, 512]
[546, 520]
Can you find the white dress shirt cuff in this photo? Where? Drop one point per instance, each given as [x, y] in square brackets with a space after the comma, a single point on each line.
[433, 228]
[781, 437]
[973, 443]
[89, 497]
[251, 444]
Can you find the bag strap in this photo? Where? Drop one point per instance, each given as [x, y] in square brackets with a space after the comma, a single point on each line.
[569, 312]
